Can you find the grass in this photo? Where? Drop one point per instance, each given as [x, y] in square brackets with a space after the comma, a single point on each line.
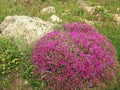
[112, 31]
[112, 5]
[72, 12]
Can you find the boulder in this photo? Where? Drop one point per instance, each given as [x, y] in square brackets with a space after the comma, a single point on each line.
[28, 28]
[48, 10]
[55, 18]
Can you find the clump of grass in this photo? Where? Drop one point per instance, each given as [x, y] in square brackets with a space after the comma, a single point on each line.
[10, 59]
[15, 58]
[112, 5]
[112, 31]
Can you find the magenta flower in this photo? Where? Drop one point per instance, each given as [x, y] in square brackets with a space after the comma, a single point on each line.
[77, 58]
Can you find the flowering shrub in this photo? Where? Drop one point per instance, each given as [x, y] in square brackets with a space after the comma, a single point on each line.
[72, 61]
[80, 27]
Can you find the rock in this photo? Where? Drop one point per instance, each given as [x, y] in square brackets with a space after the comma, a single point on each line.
[28, 28]
[118, 9]
[48, 10]
[84, 5]
[116, 17]
[89, 22]
[66, 12]
[98, 6]
[63, 14]
[55, 18]
[89, 9]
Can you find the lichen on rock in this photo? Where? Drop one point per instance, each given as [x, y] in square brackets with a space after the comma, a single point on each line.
[29, 28]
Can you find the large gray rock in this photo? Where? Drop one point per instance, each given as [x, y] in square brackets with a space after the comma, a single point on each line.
[28, 28]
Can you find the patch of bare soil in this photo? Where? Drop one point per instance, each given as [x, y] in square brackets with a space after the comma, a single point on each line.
[18, 83]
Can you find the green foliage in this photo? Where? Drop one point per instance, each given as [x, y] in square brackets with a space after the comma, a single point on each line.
[1, 18]
[56, 0]
[100, 10]
[112, 5]
[108, 16]
[10, 58]
[15, 57]
[27, 71]
[112, 31]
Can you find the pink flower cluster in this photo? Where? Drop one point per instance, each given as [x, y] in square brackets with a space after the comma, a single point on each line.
[77, 58]
[80, 27]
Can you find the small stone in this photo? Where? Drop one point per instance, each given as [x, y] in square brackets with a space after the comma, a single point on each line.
[116, 17]
[66, 12]
[98, 6]
[118, 9]
[89, 22]
[48, 10]
[63, 14]
[55, 18]
[26, 82]
[89, 9]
